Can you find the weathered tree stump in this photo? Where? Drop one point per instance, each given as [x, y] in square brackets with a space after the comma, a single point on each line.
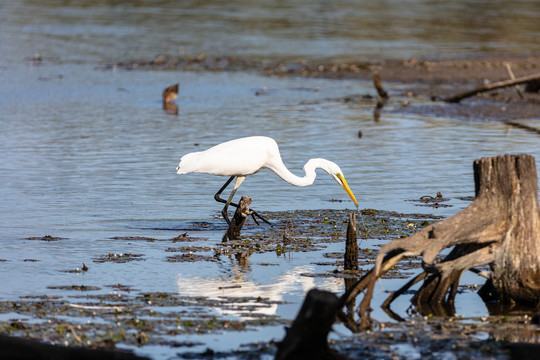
[242, 211]
[307, 337]
[351, 245]
[500, 228]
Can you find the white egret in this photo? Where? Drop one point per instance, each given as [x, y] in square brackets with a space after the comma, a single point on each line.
[245, 156]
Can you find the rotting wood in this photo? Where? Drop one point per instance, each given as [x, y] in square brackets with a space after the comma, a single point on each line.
[307, 338]
[351, 245]
[501, 228]
[13, 347]
[496, 85]
[242, 211]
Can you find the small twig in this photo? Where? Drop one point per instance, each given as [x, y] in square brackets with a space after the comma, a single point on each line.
[72, 329]
[511, 74]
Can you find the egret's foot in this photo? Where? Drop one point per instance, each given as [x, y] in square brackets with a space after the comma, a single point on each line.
[255, 214]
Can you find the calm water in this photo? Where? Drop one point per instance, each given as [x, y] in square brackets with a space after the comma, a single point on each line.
[89, 154]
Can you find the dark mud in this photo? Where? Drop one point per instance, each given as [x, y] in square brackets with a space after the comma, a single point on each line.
[127, 317]
[415, 85]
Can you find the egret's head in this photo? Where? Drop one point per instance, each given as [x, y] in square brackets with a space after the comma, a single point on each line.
[334, 170]
[185, 166]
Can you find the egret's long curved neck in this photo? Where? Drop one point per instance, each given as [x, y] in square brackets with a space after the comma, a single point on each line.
[281, 170]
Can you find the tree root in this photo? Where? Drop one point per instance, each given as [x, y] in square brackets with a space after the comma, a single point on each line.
[501, 228]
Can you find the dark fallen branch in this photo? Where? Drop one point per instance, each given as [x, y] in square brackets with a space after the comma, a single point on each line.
[15, 348]
[497, 85]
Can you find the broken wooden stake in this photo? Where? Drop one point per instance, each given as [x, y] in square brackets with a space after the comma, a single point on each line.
[351, 245]
[242, 211]
[378, 85]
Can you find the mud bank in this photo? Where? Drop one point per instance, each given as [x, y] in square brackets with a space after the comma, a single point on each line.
[126, 318]
[415, 85]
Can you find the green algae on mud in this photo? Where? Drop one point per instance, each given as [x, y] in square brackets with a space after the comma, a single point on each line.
[132, 318]
[101, 321]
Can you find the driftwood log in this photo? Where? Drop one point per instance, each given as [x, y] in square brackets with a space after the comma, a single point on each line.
[242, 211]
[496, 85]
[500, 228]
[15, 348]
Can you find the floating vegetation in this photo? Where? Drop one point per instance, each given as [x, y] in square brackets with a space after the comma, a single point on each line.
[74, 287]
[432, 201]
[84, 268]
[121, 287]
[47, 238]
[119, 258]
[184, 237]
[134, 238]
[190, 257]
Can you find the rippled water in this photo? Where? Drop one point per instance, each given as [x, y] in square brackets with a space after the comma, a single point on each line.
[88, 154]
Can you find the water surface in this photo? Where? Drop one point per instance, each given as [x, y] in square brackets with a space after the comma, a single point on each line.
[88, 154]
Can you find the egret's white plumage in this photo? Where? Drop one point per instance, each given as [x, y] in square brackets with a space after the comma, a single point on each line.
[245, 156]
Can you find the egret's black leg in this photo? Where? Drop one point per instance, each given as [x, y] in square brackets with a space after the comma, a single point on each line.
[218, 198]
[226, 202]
[217, 195]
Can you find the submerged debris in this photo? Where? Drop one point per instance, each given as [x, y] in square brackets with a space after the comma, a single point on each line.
[119, 258]
[47, 238]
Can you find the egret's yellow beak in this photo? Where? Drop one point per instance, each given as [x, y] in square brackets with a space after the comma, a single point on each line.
[347, 188]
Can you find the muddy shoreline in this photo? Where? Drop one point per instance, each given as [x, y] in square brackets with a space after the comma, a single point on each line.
[127, 318]
[415, 85]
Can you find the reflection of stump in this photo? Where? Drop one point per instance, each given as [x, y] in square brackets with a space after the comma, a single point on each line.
[500, 228]
[307, 337]
[242, 211]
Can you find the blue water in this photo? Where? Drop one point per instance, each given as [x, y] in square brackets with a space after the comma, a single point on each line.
[88, 154]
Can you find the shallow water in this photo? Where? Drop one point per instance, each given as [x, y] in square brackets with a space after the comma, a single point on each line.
[88, 154]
